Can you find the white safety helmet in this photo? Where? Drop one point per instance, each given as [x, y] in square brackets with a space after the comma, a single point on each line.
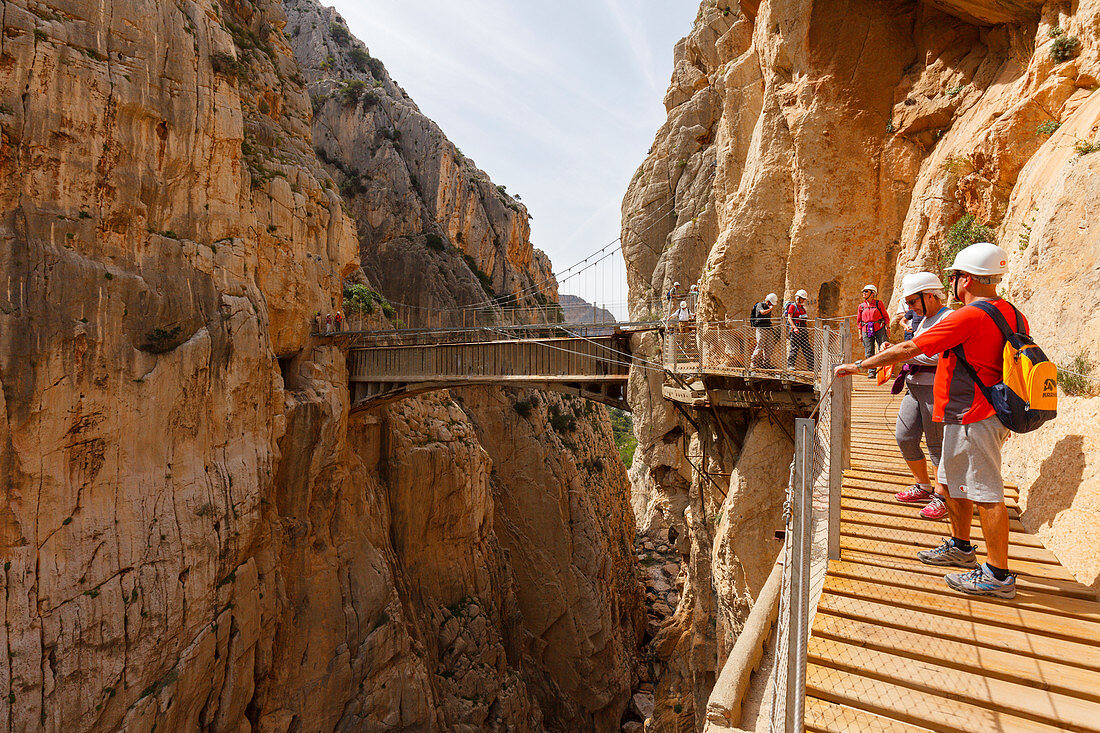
[872, 288]
[919, 282]
[983, 258]
[772, 298]
[676, 285]
[683, 304]
[802, 294]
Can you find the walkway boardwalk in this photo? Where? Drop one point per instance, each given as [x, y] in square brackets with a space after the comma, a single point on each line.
[894, 649]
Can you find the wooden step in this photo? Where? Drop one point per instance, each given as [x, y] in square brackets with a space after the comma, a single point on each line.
[1036, 598]
[912, 522]
[1046, 586]
[903, 514]
[923, 539]
[1021, 567]
[887, 497]
[823, 716]
[911, 706]
[962, 606]
[980, 633]
[1023, 701]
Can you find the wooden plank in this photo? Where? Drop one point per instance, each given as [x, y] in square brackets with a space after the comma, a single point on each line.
[1052, 708]
[895, 511]
[965, 607]
[891, 485]
[887, 497]
[937, 713]
[1028, 595]
[823, 716]
[967, 630]
[1018, 666]
[934, 533]
[1021, 567]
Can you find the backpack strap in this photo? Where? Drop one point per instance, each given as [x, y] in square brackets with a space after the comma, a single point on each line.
[998, 318]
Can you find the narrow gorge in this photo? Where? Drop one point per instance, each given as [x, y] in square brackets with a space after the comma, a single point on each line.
[199, 532]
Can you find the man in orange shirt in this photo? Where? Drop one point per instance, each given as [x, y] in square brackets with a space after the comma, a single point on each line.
[970, 465]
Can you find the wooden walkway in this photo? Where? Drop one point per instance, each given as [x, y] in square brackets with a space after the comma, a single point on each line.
[894, 649]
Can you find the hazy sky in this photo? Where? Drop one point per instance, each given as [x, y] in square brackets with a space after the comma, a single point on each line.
[558, 101]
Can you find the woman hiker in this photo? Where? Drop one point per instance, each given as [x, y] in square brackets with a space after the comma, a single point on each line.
[873, 321]
[922, 292]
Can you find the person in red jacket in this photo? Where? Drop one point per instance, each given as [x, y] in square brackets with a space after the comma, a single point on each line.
[970, 464]
[873, 320]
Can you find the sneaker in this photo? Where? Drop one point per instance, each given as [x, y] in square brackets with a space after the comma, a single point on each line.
[914, 494]
[936, 509]
[948, 554]
[981, 582]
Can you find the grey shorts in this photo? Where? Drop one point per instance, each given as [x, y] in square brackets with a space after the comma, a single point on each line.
[971, 461]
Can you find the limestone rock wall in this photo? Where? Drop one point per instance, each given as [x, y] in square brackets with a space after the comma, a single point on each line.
[815, 145]
[195, 532]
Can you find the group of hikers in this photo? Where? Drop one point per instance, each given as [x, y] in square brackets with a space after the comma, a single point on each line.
[328, 324]
[952, 371]
[955, 398]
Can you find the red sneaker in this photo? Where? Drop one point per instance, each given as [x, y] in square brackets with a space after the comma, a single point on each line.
[913, 495]
[936, 509]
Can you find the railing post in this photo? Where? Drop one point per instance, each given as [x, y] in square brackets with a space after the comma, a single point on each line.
[840, 418]
[799, 603]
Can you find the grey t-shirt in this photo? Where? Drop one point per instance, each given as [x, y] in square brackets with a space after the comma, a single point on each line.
[927, 378]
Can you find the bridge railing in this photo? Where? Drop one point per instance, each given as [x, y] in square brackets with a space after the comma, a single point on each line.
[735, 348]
[403, 316]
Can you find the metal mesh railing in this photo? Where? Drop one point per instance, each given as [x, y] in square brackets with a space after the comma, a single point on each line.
[812, 518]
[739, 349]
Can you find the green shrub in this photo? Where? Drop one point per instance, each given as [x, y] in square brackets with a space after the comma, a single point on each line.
[481, 275]
[954, 91]
[360, 58]
[377, 68]
[1047, 128]
[622, 428]
[340, 33]
[963, 233]
[436, 242]
[161, 340]
[524, 407]
[1084, 147]
[1064, 48]
[227, 64]
[1078, 384]
[352, 91]
[561, 421]
[359, 298]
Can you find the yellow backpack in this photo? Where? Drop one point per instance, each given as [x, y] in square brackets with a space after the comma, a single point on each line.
[1027, 395]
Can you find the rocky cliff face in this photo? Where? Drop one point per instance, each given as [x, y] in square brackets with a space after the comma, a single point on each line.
[195, 532]
[815, 145]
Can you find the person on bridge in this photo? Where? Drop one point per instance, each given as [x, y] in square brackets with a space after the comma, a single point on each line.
[922, 292]
[873, 321]
[973, 435]
[339, 320]
[671, 295]
[761, 320]
[798, 326]
[683, 315]
[693, 297]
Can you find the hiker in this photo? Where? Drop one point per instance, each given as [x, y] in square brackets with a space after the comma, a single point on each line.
[339, 321]
[761, 320]
[799, 331]
[328, 324]
[693, 297]
[873, 321]
[683, 315]
[671, 295]
[922, 293]
[317, 321]
[970, 339]
[908, 318]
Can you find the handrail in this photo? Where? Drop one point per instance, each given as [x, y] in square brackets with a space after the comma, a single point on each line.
[724, 706]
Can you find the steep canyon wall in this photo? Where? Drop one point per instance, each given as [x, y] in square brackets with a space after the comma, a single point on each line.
[196, 532]
[823, 145]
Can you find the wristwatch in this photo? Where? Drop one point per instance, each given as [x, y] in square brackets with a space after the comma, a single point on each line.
[859, 364]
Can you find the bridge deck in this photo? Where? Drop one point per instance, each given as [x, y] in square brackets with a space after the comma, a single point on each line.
[893, 648]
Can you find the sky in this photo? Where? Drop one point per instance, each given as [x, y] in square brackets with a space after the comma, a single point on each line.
[557, 101]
